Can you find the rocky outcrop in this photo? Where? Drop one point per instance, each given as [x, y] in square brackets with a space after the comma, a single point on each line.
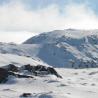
[10, 70]
[38, 70]
[41, 70]
[53, 71]
[11, 67]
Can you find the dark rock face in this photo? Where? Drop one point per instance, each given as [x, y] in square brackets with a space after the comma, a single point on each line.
[28, 67]
[39, 69]
[26, 95]
[11, 67]
[53, 71]
[3, 75]
[10, 70]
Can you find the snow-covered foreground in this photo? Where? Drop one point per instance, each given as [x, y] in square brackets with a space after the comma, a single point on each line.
[75, 84]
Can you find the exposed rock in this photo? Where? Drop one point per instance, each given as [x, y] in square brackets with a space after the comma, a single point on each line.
[38, 70]
[3, 75]
[41, 70]
[53, 71]
[26, 95]
[11, 67]
[28, 67]
[10, 70]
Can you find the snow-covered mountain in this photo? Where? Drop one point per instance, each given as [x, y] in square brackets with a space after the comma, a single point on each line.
[68, 48]
[60, 48]
[25, 69]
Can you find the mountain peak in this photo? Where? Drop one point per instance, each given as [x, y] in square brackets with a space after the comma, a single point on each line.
[56, 35]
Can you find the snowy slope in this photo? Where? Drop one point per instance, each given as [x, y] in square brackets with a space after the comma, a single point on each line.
[6, 59]
[60, 48]
[76, 83]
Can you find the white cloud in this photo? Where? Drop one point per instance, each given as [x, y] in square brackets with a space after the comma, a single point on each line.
[15, 17]
[16, 37]
[80, 16]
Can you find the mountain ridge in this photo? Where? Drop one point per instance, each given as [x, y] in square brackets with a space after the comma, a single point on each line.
[69, 48]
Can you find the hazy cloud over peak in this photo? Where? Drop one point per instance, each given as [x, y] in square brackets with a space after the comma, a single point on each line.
[21, 15]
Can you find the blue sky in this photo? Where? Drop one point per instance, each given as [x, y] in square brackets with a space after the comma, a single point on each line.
[35, 4]
[46, 15]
